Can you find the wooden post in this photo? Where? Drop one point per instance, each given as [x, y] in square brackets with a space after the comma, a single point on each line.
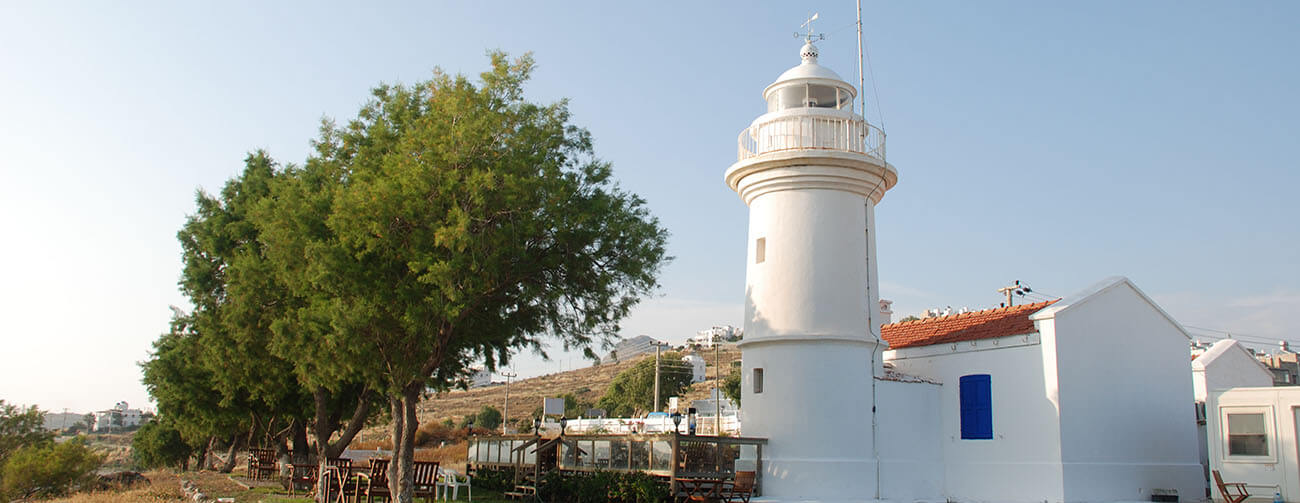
[672, 486]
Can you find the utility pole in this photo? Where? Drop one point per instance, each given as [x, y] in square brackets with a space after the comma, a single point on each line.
[1017, 289]
[505, 416]
[657, 346]
[717, 396]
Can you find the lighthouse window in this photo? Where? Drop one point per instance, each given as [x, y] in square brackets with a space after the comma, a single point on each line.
[822, 96]
[758, 381]
[760, 250]
[791, 97]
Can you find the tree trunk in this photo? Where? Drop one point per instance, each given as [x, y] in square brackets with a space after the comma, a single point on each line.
[324, 427]
[229, 464]
[401, 472]
[201, 461]
[300, 448]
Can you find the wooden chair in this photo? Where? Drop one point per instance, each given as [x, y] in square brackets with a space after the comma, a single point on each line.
[426, 480]
[304, 476]
[742, 488]
[377, 481]
[262, 464]
[1238, 492]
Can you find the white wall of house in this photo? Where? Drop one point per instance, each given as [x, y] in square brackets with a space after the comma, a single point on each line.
[1276, 471]
[911, 451]
[1127, 419]
[698, 367]
[1022, 461]
[1227, 364]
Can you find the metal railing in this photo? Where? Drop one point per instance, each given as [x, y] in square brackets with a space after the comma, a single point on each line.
[811, 132]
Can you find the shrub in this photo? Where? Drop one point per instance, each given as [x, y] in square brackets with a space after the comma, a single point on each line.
[494, 480]
[159, 445]
[431, 433]
[488, 417]
[49, 469]
[603, 486]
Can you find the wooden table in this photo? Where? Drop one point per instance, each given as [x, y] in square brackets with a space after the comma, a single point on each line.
[700, 489]
[338, 478]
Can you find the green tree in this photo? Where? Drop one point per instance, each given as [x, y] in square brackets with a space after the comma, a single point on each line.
[731, 387]
[48, 469]
[159, 445]
[631, 392]
[185, 389]
[238, 299]
[488, 417]
[20, 427]
[452, 222]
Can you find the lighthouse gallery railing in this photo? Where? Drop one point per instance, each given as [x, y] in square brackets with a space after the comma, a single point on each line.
[810, 132]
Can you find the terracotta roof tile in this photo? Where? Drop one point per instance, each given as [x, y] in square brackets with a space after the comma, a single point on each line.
[962, 327]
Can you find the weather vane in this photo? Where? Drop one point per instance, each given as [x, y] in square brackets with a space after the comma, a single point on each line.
[810, 36]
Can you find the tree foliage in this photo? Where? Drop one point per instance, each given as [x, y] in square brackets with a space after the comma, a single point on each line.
[731, 387]
[48, 469]
[185, 388]
[631, 392]
[488, 417]
[451, 222]
[159, 445]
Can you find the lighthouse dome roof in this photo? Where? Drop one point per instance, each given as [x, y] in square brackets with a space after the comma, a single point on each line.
[808, 68]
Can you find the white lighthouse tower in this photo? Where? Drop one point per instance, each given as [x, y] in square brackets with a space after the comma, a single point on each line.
[811, 171]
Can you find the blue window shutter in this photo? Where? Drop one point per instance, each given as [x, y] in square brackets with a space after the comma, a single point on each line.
[976, 392]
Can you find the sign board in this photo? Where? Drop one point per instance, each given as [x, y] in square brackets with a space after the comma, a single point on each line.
[553, 406]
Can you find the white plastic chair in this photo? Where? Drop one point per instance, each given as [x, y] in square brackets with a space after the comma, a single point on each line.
[451, 482]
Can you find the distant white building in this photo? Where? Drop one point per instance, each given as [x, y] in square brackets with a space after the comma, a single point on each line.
[105, 419]
[480, 378]
[698, 366]
[706, 338]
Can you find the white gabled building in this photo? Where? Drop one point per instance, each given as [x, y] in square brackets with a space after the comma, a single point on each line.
[1083, 399]
[1227, 364]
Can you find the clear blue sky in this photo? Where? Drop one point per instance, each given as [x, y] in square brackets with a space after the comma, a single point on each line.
[1052, 143]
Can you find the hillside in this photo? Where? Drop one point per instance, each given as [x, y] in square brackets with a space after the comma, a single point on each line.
[588, 384]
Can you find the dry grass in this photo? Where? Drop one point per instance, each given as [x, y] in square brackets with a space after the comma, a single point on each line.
[163, 487]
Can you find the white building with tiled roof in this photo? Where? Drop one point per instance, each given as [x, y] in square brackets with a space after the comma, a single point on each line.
[1084, 399]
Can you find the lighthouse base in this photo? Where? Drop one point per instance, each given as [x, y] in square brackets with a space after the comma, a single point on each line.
[823, 480]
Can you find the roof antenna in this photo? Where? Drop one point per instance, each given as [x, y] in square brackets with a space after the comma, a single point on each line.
[810, 36]
[1017, 289]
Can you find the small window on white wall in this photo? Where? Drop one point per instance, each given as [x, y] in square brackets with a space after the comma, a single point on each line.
[1247, 434]
[760, 250]
[758, 381]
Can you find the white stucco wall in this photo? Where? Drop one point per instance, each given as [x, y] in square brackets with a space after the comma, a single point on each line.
[911, 449]
[1280, 470]
[815, 396]
[1127, 416]
[812, 278]
[1227, 364]
[1022, 461]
